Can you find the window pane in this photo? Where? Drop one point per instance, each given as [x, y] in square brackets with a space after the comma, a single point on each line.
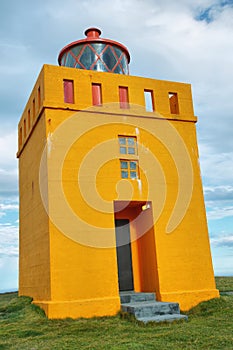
[124, 63]
[122, 140]
[70, 61]
[124, 174]
[131, 141]
[123, 150]
[133, 165]
[131, 150]
[87, 58]
[124, 165]
[109, 58]
[98, 47]
[133, 175]
[76, 50]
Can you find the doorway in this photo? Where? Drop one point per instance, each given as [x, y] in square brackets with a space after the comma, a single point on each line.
[136, 249]
[124, 255]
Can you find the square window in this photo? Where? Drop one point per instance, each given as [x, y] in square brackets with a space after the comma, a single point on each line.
[133, 165]
[129, 169]
[124, 174]
[133, 175]
[131, 141]
[124, 164]
[122, 140]
[131, 150]
[128, 144]
[123, 150]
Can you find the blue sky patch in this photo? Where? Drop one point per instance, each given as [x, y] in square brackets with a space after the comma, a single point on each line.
[209, 14]
[205, 15]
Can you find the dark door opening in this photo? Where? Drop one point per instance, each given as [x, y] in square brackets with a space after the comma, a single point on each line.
[124, 257]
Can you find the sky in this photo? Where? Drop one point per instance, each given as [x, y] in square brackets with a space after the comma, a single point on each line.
[184, 40]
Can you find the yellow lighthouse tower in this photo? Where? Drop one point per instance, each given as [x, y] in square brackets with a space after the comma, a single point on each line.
[111, 195]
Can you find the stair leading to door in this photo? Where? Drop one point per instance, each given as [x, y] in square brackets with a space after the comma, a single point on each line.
[145, 308]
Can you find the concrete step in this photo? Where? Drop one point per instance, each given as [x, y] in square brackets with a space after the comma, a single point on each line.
[164, 318]
[146, 309]
[150, 308]
[128, 297]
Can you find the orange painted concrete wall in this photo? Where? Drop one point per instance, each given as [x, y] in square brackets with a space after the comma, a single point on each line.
[34, 243]
[74, 253]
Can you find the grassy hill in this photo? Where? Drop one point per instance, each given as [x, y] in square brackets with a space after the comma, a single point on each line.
[24, 326]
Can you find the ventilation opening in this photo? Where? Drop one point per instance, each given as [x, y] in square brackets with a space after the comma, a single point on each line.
[173, 100]
[20, 137]
[68, 87]
[29, 119]
[39, 97]
[24, 128]
[96, 94]
[149, 100]
[33, 109]
[123, 97]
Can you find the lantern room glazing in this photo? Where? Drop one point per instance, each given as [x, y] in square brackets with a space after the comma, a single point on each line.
[95, 53]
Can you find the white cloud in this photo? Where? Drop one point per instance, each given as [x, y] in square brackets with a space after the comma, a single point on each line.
[8, 240]
[226, 241]
[219, 202]
[4, 206]
[218, 193]
[8, 146]
[8, 165]
[216, 212]
[217, 167]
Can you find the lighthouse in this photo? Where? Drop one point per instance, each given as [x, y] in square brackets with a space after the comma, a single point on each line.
[111, 196]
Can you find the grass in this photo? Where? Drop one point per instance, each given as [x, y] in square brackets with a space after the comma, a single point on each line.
[224, 284]
[24, 326]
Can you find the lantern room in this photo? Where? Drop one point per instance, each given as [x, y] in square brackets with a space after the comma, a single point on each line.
[96, 53]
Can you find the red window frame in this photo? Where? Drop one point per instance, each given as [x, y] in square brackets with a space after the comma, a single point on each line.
[68, 86]
[96, 94]
[124, 97]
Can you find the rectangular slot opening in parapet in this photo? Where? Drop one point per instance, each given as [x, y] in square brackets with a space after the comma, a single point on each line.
[68, 86]
[149, 100]
[24, 128]
[20, 137]
[173, 100]
[39, 97]
[96, 94]
[29, 119]
[123, 97]
[33, 109]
